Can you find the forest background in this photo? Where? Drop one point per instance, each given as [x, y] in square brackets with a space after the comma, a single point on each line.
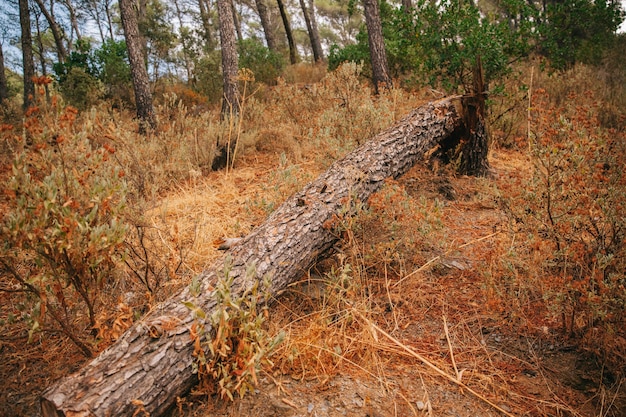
[112, 114]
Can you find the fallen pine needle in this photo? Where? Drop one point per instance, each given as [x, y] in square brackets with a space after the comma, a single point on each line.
[429, 364]
[438, 257]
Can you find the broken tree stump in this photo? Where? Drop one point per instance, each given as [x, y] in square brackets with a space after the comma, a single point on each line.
[151, 364]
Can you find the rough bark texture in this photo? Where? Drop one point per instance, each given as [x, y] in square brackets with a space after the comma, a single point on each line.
[378, 55]
[27, 54]
[266, 24]
[230, 63]
[151, 364]
[473, 159]
[293, 54]
[139, 74]
[4, 89]
[314, 37]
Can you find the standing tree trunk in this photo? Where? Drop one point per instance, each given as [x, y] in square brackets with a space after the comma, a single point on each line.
[4, 89]
[207, 30]
[107, 10]
[152, 363]
[183, 32]
[236, 22]
[314, 37]
[74, 21]
[407, 6]
[57, 32]
[316, 33]
[293, 53]
[139, 74]
[474, 156]
[230, 62]
[27, 55]
[266, 24]
[378, 56]
[39, 51]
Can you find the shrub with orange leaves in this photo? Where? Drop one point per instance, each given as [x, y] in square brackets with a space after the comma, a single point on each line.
[64, 228]
[575, 201]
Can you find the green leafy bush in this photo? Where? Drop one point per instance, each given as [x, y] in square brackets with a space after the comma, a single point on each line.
[579, 31]
[265, 64]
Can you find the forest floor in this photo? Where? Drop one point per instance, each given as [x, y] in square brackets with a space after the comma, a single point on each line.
[418, 329]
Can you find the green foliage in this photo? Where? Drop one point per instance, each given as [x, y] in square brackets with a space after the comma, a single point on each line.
[229, 360]
[579, 31]
[265, 64]
[157, 29]
[80, 89]
[450, 36]
[82, 77]
[111, 66]
[63, 228]
[77, 77]
[441, 41]
[208, 79]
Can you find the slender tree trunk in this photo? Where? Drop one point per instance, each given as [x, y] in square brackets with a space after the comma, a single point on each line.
[4, 88]
[378, 55]
[316, 34]
[236, 22]
[293, 53]
[57, 32]
[107, 9]
[184, 42]
[407, 6]
[74, 20]
[27, 54]
[230, 62]
[152, 363]
[207, 30]
[266, 24]
[139, 74]
[316, 46]
[40, 54]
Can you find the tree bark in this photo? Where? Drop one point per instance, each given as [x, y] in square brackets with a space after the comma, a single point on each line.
[207, 30]
[314, 37]
[316, 33]
[293, 53]
[378, 55]
[230, 61]
[74, 22]
[407, 6]
[27, 55]
[266, 24]
[139, 74]
[473, 160]
[151, 364]
[4, 87]
[236, 22]
[57, 32]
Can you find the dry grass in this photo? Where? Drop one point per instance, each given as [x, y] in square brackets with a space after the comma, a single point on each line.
[432, 279]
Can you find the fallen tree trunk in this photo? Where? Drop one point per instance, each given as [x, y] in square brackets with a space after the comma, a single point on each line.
[151, 364]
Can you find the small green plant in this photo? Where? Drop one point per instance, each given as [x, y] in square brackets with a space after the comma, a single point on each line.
[231, 346]
[63, 229]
